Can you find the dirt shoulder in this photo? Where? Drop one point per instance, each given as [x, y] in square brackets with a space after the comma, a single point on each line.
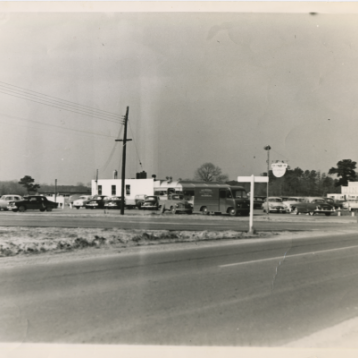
[36, 245]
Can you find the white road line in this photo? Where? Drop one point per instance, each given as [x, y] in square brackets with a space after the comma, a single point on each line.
[287, 257]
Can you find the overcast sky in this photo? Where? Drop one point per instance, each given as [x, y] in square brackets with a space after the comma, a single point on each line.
[201, 87]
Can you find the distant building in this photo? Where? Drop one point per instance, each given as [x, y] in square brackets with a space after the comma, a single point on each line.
[351, 191]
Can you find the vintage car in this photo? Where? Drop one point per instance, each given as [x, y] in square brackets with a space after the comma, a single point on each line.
[81, 201]
[292, 200]
[151, 203]
[113, 202]
[274, 205]
[315, 206]
[139, 200]
[258, 201]
[96, 202]
[32, 202]
[177, 204]
[5, 200]
[338, 204]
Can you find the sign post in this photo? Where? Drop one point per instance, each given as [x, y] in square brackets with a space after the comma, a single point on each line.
[252, 180]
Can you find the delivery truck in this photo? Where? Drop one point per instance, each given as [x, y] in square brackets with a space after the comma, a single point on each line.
[216, 198]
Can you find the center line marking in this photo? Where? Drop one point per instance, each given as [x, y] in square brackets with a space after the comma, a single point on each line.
[287, 257]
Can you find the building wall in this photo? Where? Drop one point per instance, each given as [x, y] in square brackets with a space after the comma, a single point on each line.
[350, 191]
[133, 187]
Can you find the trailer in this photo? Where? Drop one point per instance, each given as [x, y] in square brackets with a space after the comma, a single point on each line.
[216, 198]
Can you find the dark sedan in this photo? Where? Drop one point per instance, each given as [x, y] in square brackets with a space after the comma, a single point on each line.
[114, 202]
[97, 202]
[150, 203]
[32, 202]
[316, 206]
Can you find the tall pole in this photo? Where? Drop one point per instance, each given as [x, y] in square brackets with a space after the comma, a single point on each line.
[55, 189]
[268, 176]
[125, 140]
[252, 188]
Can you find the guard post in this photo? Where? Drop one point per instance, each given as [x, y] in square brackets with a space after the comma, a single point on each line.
[252, 180]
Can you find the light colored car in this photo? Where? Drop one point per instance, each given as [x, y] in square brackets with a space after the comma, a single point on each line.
[292, 200]
[81, 201]
[274, 205]
[5, 200]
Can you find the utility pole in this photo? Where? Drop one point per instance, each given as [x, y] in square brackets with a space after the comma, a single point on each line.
[55, 189]
[268, 176]
[124, 140]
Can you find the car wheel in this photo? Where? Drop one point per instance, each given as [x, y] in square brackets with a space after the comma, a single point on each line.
[311, 213]
[327, 214]
[232, 212]
[22, 209]
[205, 210]
[77, 207]
[42, 209]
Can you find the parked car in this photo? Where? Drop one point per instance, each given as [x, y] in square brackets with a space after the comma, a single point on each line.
[5, 200]
[274, 204]
[151, 203]
[113, 202]
[291, 201]
[32, 202]
[316, 206]
[139, 200]
[258, 201]
[81, 201]
[338, 204]
[177, 204]
[96, 202]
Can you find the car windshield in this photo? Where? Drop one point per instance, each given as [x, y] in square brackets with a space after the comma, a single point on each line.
[151, 198]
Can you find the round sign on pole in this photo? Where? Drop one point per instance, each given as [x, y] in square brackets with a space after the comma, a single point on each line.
[279, 169]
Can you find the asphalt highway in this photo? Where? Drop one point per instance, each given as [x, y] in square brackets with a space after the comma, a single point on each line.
[100, 219]
[247, 293]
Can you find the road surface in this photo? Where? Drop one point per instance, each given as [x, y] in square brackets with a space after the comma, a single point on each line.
[98, 219]
[247, 293]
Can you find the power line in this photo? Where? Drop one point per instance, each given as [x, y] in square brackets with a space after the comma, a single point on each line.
[52, 125]
[21, 96]
[35, 93]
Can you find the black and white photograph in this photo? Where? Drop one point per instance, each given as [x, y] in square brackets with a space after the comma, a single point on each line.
[179, 178]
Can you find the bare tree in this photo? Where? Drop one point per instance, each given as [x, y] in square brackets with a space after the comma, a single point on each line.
[210, 173]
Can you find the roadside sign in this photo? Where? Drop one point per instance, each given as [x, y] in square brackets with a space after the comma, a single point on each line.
[279, 169]
[256, 179]
[252, 179]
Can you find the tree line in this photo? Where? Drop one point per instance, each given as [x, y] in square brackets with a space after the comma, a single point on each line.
[27, 186]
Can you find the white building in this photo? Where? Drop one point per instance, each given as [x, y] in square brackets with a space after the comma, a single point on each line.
[133, 187]
[349, 192]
